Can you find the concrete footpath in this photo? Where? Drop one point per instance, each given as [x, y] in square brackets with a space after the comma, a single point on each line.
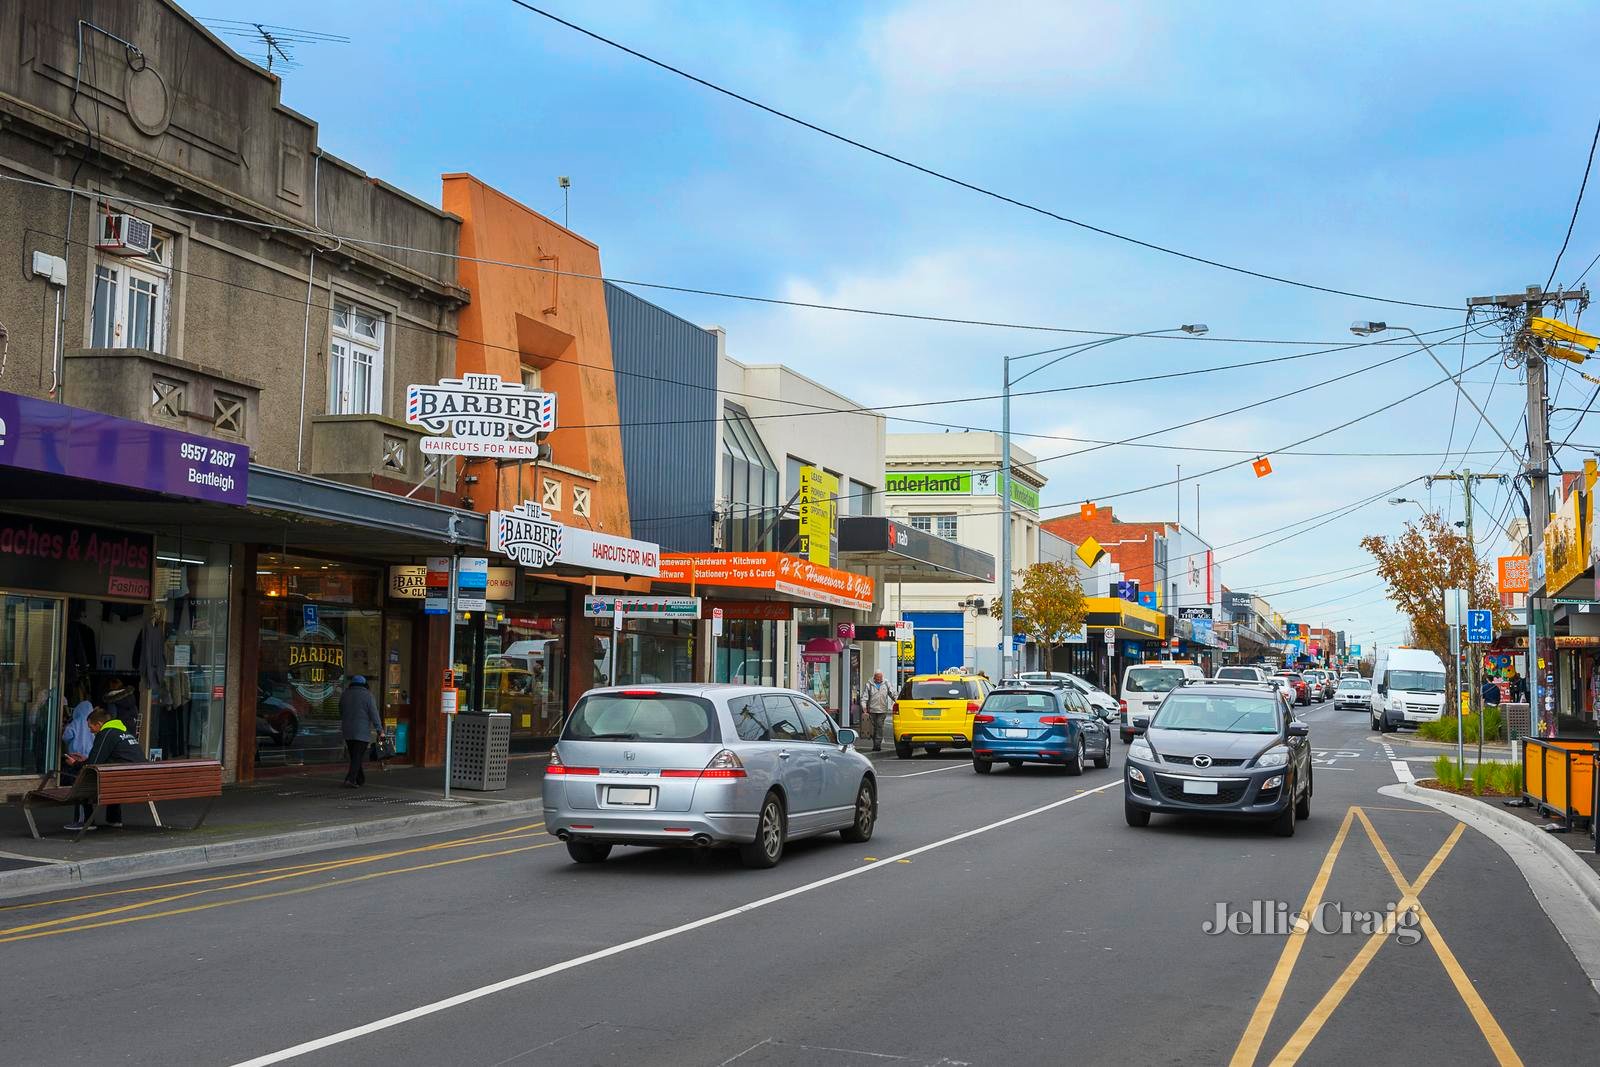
[276, 816]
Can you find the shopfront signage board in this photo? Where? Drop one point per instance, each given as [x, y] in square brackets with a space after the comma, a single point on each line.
[36, 435]
[778, 572]
[641, 607]
[529, 536]
[480, 415]
[1513, 572]
[408, 581]
[74, 558]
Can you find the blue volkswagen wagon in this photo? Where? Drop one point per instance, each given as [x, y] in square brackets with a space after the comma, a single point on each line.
[1029, 724]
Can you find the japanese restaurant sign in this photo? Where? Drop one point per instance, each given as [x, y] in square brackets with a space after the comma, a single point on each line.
[776, 571]
[74, 558]
[56, 439]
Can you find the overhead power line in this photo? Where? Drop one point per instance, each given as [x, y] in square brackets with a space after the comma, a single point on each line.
[1578, 203]
[964, 184]
[336, 240]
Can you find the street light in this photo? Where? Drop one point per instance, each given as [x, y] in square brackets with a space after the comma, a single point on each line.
[1408, 500]
[1367, 329]
[1195, 329]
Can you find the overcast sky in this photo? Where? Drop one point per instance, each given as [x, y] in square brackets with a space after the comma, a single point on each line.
[1423, 152]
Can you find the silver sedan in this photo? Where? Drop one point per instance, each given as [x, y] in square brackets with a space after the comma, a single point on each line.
[704, 766]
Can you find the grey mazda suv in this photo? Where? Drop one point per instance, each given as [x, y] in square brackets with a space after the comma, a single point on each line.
[704, 766]
[1227, 748]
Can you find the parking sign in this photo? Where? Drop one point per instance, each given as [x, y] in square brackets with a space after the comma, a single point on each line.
[1480, 628]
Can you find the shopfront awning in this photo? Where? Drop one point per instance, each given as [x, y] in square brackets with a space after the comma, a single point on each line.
[1132, 622]
[292, 511]
[767, 576]
[901, 552]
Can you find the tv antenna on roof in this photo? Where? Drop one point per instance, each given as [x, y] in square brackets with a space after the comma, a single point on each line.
[277, 43]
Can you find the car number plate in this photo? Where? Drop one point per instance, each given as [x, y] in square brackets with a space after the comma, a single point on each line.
[625, 794]
[931, 713]
[1014, 733]
[1205, 788]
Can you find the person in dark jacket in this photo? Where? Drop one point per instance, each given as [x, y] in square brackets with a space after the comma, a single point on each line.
[113, 743]
[1491, 693]
[1519, 688]
[358, 719]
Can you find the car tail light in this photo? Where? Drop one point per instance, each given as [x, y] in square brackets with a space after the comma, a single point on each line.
[1053, 720]
[724, 764]
[983, 718]
[894, 708]
[972, 705]
[1122, 707]
[641, 693]
[555, 766]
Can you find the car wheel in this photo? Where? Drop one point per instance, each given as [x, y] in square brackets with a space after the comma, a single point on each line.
[1104, 759]
[866, 815]
[1283, 825]
[1075, 761]
[1127, 738]
[982, 766]
[767, 849]
[1372, 717]
[1302, 807]
[902, 750]
[1135, 815]
[588, 851]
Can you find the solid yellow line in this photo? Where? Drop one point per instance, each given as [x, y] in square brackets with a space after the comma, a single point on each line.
[249, 874]
[1496, 1037]
[1261, 1019]
[270, 896]
[1314, 1022]
[298, 872]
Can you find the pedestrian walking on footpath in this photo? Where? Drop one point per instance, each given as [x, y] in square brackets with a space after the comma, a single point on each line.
[359, 721]
[1491, 693]
[877, 704]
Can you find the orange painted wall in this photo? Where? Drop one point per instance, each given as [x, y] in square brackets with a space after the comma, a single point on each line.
[553, 322]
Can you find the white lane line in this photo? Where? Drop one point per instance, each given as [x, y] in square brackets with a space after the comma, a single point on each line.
[936, 770]
[390, 1021]
[1402, 770]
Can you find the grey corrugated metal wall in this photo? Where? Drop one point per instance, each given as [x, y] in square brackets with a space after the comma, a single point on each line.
[667, 398]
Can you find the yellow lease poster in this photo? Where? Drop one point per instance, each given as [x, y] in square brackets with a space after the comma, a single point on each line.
[818, 504]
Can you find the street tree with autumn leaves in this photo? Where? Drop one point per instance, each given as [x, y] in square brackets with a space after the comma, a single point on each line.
[1048, 605]
[1429, 557]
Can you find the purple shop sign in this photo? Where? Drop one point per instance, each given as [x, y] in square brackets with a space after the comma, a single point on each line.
[51, 438]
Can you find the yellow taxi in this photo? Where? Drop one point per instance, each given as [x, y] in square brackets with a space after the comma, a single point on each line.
[936, 710]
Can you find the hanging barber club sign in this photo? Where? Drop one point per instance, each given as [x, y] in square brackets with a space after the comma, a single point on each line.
[527, 534]
[480, 415]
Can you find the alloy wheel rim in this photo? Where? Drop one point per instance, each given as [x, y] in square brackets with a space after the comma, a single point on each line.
[864, 809]
[769, 829]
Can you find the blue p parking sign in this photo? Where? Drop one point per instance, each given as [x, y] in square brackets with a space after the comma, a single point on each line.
[1480, 630]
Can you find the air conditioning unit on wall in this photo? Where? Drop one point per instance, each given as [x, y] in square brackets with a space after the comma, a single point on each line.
[125, 235]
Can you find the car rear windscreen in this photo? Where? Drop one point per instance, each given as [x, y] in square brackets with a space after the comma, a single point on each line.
[1021, 703]
[1154, 679]
[666, 717]
[957, 690]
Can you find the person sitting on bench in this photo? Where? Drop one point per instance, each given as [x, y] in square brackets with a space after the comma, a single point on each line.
[112, 744]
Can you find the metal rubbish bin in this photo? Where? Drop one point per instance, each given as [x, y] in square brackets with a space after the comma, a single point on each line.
[479, 750]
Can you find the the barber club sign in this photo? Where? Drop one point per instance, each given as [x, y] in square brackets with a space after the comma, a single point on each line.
[527, 534]
[480, 415]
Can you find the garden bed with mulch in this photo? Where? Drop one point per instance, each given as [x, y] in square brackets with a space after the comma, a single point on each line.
[1465, 791]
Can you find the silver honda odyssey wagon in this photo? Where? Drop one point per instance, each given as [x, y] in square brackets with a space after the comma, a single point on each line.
[703, 765]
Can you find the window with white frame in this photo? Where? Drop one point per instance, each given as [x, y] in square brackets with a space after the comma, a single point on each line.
[130, 300]
[355, 360]
[939, 525]
[531, 377]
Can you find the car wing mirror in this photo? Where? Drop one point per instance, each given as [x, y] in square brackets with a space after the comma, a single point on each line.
[1299, 729]
[847, 737]
[1141, 723]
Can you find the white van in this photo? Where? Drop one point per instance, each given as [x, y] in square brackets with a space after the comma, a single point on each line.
[1407, 687]
[1145, 686]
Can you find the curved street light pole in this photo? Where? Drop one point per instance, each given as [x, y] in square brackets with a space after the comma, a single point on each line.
[1008, 623]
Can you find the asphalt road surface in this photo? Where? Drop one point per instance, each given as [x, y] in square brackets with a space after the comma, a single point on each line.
[1010, 919]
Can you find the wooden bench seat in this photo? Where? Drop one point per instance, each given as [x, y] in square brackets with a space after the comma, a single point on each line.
[131, 783]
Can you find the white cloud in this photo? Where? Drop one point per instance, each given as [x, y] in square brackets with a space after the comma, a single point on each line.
[1021, 46]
